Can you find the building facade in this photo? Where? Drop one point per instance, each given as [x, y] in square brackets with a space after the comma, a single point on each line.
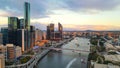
[12, 30]
[3, 50]
[12, 23]
[27, 15]
[38, 35]
[22, 23]
[32, 36]
[1, 38]
[2, 61]
[54, 35]
[10, 52]
[48, 32]
[18, 51]
[4, 31]
[27, 24]
[60, 30]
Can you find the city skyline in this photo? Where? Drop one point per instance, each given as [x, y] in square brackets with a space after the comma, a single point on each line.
[74, 15]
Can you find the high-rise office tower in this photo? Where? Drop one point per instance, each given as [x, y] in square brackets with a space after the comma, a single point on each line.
[4, 31]
[12, 30]
[22, 23]
[21, 39]
[32, 36]
[51, 31]
[27, 15]
[27, 24]
[51, 27]
[48, 32]
[12, 23]
[1, 38]
[60, 29]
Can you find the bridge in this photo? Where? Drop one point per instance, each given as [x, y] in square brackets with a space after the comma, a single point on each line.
[35, 59]
[57, 49]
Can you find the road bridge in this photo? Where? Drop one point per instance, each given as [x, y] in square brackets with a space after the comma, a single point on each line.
[53, 48]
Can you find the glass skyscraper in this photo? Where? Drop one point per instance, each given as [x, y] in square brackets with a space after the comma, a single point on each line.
[4, 31]
[60, 29]
[27, 15]
[12, 30]
[12, 23]
[27, 24]
[22, 24]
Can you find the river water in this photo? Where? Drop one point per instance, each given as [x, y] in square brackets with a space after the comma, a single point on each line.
[67, 58]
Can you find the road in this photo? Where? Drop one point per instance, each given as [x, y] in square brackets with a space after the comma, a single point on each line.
[67, 58]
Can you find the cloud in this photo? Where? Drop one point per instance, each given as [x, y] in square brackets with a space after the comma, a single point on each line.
[101, 5]
[4, 13]
[43, 8]
[16, 8]
[39, 26]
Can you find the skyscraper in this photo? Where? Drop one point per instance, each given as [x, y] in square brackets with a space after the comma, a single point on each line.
[48, 32]
[27, 24]
[32, 36]
[1, 38]
[51, 27]
[54, 35]
[12, 23]
[21, 38]
[22, 23]
[60, 29]
[12, 30]
[4, 31]
[27, 15]
[51, 31]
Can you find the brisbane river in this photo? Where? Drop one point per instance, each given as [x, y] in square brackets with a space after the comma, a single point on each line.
[67, 58]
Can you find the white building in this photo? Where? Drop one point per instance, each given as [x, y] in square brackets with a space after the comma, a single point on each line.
[109, 46]
[2, 61]
[112, 58]
[18, 51]
[105, 66]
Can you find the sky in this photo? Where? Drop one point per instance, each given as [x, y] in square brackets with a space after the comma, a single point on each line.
[72, 14]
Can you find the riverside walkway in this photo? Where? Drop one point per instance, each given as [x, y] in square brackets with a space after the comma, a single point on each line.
[34, 60]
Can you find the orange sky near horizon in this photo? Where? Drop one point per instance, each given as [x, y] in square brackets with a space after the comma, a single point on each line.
[82, 18]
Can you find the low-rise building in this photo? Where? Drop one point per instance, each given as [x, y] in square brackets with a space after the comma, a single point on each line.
[18, 51]
[109, 46]
[105, 66]
[112, 58]
[118, 48]
[3, 50]
[2, 61]
[10, 51]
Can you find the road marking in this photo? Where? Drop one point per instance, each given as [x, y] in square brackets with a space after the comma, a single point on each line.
[70, 63]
